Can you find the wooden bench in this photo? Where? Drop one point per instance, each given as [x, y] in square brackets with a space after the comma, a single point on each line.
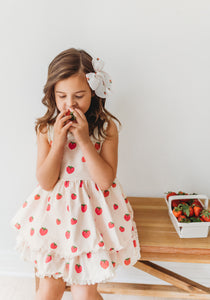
[160, 242]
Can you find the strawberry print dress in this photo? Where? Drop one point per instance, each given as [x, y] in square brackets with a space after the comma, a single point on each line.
[77, 231]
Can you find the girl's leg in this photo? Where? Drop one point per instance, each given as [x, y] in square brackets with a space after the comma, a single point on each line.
[50, 289]
[85, 292]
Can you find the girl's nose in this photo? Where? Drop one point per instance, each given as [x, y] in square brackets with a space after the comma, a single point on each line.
[70, 102]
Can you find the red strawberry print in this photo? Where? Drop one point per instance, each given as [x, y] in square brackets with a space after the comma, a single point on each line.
[113, 263]
[73, 249]
[98, 210]
[73, 196]
[111, 224]
[25, 204]
[111, 249]
[81, 183]
[113, 184]
[83, 159]
[83, 207]
[32, 231]
[132, 228]
[73, 221]
[37, 197]
[53, 246]
[70, 169]
[17, 225]
[104, 263]
[127, 261]
[31, 219]
[106, 193]
[48, 258]
[43, 231]
[58, 196]
[48, 199]
[35, 262]
[134, 243]
[66, 183]
[58, 221]
[115, 206]
[126, 200]
[57, 273]
[96, 187]
[101, 244]
[97, 145]
[68, 209]
[127, 217]
[72, 145]
[67, 266]
[78, 268]
[122, 229]
[67, 234]
[86, 233]
[89, 255]
[48, 207]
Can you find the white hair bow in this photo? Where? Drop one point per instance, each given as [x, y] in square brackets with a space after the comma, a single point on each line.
[100, 81]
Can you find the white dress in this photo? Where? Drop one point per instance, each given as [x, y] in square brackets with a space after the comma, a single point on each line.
[77, 231]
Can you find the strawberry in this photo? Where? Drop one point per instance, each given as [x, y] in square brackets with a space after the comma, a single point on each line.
[205, 215]
[177, 211]
[182, 218]
[175, 203]
[197, 210]
[187, 210]
[70, 113]
[170, 194]
[196, 202]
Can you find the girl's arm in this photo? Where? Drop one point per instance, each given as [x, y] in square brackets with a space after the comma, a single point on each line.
[103, 166]
[49, 158]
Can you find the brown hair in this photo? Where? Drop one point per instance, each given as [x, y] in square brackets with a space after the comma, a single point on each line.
[64, 65]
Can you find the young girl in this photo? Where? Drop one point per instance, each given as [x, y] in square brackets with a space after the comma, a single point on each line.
[77, 226]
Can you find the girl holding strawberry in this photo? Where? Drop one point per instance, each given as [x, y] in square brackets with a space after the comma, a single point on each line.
[77, 226]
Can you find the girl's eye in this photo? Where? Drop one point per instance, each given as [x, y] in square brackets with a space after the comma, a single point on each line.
[62, 96]
[79, 97]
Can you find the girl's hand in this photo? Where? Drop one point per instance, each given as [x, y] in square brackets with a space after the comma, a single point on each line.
[61, 127]
[80, 128]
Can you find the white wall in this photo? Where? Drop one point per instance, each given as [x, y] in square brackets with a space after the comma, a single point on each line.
[157, 53]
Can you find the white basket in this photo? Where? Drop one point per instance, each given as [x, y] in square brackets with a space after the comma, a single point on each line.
[189, 230]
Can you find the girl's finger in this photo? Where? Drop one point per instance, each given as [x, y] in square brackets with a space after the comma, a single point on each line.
[80, 113]
[61, 115]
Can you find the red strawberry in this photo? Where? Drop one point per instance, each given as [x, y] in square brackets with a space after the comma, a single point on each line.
[177, 212]
[134, 243]
[43, 231]
[48, 207]
[70, 169]
[48, 199]
[48, 258]
[205, 215]
[98, 210]
[32, 231]
[115, 206]
[101, 244]
[73, 196]
[89, 255]
[111, 224]
[67, 207]
[37, 197]
[104, 263]
[170, 194]
[73, 221]
[197, 210]
[127, 261]
[175, 203]
[97, 145]
[66, 183]
[78, 268]
[58, 196]
[113, 184]
[96, 187]
[126, 200]
[72, 145]
[111, 249]
[25, 204]
[17, 225]
[197, 203]
[83, 207]
[121, 228]
[31, 219]
[67, 266]
[86, 233]
[81, 183]
[106, 193]
[127, 217]
[73, 249]
[53, 246]
[83, 159]
[182, 219]
[58, 221]
[67, 234]
[113, 263]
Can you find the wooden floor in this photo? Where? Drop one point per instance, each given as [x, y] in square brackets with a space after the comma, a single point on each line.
[23, 288]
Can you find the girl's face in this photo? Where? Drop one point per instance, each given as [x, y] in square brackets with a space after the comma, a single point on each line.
[73, 92]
